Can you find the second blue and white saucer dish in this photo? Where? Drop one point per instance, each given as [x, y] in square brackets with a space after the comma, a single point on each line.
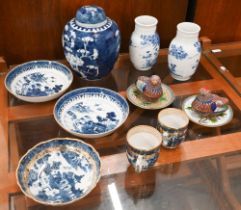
[59, 171]
[91, 112]
[38, 81]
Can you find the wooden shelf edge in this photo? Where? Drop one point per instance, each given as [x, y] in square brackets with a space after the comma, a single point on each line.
[187, 151]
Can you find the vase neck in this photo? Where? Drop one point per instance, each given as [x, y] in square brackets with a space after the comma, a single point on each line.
[145, 24]
[188, 30]
[145, 30]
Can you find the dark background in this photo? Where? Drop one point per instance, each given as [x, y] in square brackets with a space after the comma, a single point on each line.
[31, 29]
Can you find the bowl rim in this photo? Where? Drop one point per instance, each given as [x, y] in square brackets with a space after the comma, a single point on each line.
[28, 98]
[44, 142]
[90, 136]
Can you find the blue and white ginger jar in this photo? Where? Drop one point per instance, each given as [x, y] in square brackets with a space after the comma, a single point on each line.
[144, 43]
[184, 51]
[91, 43]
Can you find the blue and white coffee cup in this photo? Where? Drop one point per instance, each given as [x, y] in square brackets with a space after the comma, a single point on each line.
[143, 147]
[173, 125]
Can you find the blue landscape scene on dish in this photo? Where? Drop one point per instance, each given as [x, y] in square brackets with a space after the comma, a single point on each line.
[88, 126]
[38, 78]
[37, 84]
[59, 176]
[95, 117]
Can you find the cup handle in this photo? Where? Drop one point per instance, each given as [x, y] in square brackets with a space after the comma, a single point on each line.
[139, 164]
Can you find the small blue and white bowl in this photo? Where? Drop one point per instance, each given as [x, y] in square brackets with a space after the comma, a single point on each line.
[38, 81]
[91, 112]
[59, 171]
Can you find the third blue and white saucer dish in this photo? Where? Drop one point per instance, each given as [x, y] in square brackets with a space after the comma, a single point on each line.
[38, 81]
[59, 171]
[91, 112]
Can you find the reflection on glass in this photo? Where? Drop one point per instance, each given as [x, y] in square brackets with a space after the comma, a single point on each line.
[114, 196]
[140, 186]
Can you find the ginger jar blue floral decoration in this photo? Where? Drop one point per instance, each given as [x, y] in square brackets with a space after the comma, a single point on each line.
[91, 43]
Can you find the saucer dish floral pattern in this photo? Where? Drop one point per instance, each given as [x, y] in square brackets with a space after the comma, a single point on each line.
[208, 121]
[59, 171]
[91, 112]
[38, 81]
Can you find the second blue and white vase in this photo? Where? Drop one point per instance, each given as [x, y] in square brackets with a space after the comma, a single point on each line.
[184, 51]
[144, 43]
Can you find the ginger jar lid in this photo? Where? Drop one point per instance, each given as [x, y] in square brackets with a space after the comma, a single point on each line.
[90, 15]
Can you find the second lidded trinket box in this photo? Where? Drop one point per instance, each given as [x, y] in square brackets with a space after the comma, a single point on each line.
[91, 43]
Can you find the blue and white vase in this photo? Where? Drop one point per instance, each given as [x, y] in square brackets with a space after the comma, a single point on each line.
[184, 51]
[91, 43]
[144, 43]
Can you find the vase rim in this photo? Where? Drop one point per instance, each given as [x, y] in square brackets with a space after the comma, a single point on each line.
[146, 21]
[188, 28]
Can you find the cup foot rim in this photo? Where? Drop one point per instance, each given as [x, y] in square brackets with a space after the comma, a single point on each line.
[167, 147]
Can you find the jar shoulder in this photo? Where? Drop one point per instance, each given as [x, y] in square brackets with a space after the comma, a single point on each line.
[72, 29]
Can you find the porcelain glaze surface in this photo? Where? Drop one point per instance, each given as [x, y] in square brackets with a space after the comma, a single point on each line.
[184, 51]
[143, 147]
[38, 81]
[209, 121]
[173, 125]
[91, 112]
[91, 43]
[137, 98]
[144, 43]
[208, 103]
[150, 87]
[59, 171]
[147, 160]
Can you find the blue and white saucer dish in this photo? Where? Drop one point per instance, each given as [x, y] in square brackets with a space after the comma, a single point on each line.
[38, 81]
[91, 112]
[59, 171]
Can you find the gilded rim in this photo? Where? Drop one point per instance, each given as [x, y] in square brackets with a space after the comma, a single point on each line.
[49, 140]
[169, 127]
[149, 127]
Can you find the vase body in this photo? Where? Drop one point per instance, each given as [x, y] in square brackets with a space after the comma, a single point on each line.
[184, 51]
[91, 43]
[144, 43]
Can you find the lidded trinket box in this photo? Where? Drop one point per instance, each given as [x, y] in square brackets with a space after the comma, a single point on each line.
[208, 103]
[150, 87]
